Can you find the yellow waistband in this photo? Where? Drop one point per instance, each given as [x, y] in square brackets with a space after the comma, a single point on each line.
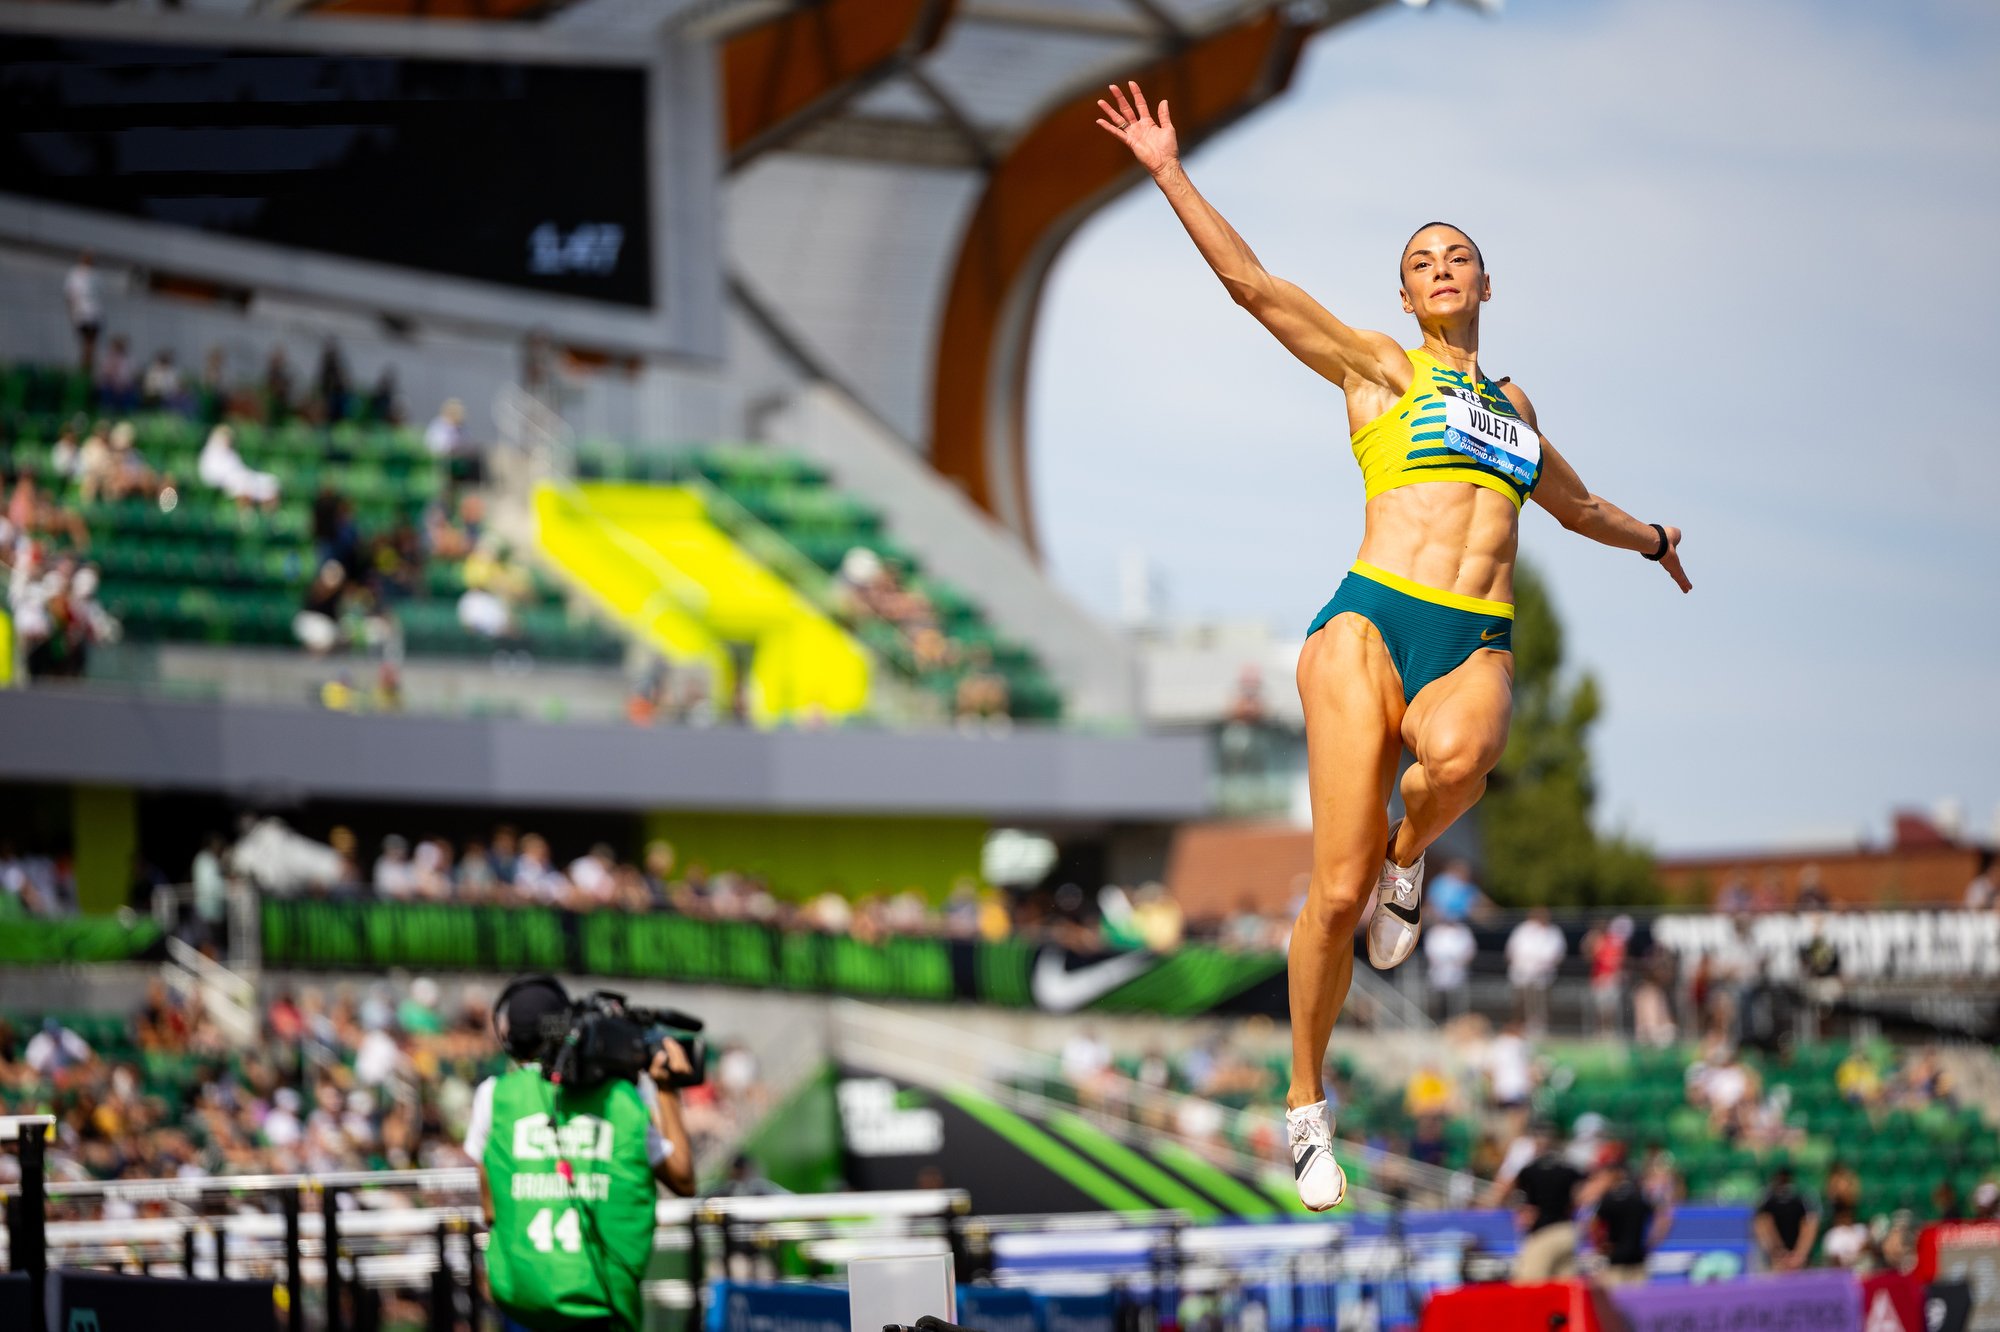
[1476, 605]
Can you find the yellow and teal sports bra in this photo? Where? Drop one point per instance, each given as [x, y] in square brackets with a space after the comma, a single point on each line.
[1447, 428]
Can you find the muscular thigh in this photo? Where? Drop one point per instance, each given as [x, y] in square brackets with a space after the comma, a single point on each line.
[1353, 703]
[1463, 716]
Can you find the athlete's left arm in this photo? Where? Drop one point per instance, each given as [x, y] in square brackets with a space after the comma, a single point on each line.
[1562, 492]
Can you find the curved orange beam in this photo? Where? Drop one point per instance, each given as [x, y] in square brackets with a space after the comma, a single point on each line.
[1060, 172]
[778, 73]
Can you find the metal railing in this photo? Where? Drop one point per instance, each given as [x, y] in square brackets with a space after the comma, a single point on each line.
[939, 1056]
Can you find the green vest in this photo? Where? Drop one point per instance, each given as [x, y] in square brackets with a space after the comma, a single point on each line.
[568, 1251]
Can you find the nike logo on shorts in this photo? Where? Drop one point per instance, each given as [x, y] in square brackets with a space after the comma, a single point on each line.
[1486, 637]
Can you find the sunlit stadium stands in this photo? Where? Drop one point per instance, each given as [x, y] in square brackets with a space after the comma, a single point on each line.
[788, 513]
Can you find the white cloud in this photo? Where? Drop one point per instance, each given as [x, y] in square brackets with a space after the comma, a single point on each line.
[1744, 259]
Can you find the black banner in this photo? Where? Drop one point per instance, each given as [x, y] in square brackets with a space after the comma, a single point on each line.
[371, 936]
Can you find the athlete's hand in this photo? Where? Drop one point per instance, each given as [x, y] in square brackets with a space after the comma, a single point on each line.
[1152, 142]
[1671, 561]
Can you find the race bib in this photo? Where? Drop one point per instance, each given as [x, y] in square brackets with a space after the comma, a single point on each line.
[1505, 443]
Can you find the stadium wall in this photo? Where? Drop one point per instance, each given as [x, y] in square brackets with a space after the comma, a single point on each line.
[261, 754]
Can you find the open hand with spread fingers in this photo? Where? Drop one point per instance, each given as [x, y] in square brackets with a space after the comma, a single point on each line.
[1151, 141]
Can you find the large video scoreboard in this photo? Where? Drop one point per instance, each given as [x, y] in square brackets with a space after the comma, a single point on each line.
[528, 173]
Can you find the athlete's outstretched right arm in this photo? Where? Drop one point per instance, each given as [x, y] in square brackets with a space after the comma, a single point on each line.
[1336, 351]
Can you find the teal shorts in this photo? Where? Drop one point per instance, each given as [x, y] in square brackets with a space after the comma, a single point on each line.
[1428, 633]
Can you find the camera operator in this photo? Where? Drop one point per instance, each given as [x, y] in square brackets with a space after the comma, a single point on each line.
[567, 1173]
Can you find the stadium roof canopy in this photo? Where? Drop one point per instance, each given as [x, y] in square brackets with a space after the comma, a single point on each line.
[903, 174]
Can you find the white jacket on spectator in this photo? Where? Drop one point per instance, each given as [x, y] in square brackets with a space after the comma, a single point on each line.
[282, 861]
[223, 468]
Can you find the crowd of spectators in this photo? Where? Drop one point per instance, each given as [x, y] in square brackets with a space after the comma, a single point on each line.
[511, 867]
[362, 1076]
[45, 539]
[870, 591]
[121, 386]
[34, 884]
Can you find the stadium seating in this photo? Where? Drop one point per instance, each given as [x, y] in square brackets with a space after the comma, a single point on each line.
[207, 571]
[783, 499]
[1901, 1155]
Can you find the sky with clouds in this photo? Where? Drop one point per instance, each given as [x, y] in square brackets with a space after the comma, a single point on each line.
[1746, 260]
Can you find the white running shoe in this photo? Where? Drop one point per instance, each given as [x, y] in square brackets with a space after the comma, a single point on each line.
[1322, 1183]
[1398, 918]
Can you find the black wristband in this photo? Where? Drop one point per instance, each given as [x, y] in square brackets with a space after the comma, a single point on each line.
[1665, 545]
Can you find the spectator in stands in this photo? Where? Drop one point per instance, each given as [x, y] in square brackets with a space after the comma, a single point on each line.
[1535, 950]
[1086, 1065]
[1857, 1079]
[93, 466]
[57, 618]
[55, 1048]
[131, 476]
[982, 690]
[332, 383]
[1605, 950]
[454, 540]
[116, 379]
[474, 880]
[591, 880]
[317, 625]
[384, 402]
[504, 854]
[211, 893]
[1652, 1016]
[396, 563]
[1157, 917]
[211, 393]
[86, 309]
[1847, 1242]
[1627, 1226]
[1727, 1088]
[29, 884]
[1448, 952]
[746, 1180]
[161, 388]
[1452, 895]
[1784, 1226]
[536, 879]
[1549, 1190]
[444, 437]
[1658, 1178]
[1509, 1065]
[277, 386]
[63, 453]
[221, 467]
[335, 536]
[430, 870]
[395, 876]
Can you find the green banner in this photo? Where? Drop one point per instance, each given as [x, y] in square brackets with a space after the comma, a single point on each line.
[26, 941]
[362, 935]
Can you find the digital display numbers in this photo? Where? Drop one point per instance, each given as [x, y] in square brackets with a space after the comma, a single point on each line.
[529, 175]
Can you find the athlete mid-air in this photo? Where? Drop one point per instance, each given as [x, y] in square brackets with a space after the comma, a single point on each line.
[1414, 649]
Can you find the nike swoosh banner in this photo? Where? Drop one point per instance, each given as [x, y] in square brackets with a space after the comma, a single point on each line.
[374, 936]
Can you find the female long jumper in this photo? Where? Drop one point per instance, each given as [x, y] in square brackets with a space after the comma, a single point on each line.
[1415, 648]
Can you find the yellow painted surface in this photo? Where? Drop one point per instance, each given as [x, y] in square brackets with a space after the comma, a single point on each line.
[675, 579]
[104, 832]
